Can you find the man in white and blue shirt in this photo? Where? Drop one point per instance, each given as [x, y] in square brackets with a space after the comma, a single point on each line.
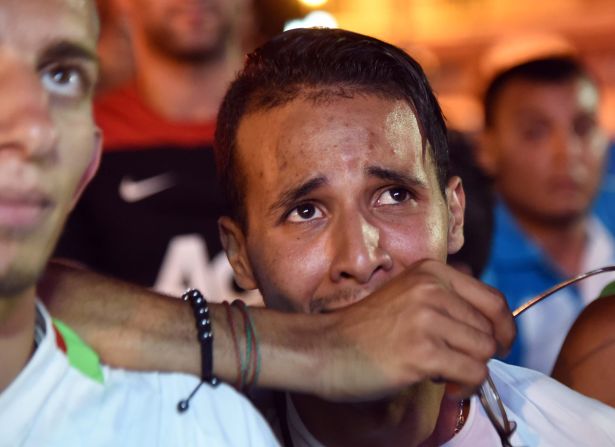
[546, 153]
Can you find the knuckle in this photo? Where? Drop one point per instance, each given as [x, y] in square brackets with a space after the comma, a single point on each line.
[495, 292]
[513, 332]
[500, 303]
[489, 348]
[427, 351]
[425, 318]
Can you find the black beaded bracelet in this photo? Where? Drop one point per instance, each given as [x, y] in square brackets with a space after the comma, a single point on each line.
[205, 336]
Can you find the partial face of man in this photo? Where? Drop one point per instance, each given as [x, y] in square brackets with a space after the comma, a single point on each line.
[340, 197]
[189, 30]
[546, 150]
[47, 138]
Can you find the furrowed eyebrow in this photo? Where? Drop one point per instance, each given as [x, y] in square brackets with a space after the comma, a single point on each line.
[294, 195]
[67, 50]
[395, 176]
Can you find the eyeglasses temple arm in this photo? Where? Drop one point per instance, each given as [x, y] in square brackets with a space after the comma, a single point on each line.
[519, 310]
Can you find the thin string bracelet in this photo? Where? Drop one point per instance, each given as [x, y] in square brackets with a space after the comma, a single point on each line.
[255, 360]
[246, 360]
[252, 355]
[205, 338]
[257, 357]
[231, 322]
[248, 356]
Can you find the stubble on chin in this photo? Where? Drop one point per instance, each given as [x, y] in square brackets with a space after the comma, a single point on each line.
[167, 44]
[14, 282]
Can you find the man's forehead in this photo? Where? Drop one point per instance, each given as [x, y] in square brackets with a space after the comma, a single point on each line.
[31, 24]
[318, 107]
[334, 121]
[579, 90]
[303, 136]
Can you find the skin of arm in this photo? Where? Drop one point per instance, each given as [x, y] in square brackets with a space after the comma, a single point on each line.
[586, 360]
[134, 328]
[373, 348]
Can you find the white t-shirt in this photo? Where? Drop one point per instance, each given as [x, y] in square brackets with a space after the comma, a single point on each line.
[547, 414]
[52, 403]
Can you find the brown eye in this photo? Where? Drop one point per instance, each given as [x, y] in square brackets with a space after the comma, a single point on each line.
[583, 126]
[398, 194]
[393, 196]
[304, 213]
[535, 133]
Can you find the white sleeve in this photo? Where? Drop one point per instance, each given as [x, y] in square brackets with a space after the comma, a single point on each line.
[550, 412]
[217, 416]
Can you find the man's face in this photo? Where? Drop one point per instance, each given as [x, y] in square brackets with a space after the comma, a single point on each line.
[48, 142]
[545, 149]
[192, 30]
[340, 197]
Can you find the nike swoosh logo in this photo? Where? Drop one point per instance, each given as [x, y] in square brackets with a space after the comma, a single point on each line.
[136, 190]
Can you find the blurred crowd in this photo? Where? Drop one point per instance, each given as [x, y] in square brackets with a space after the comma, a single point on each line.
[536, 179]
[538, 175]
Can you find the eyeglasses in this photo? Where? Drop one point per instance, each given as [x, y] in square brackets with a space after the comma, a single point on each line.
[488, 393]
[492, 403]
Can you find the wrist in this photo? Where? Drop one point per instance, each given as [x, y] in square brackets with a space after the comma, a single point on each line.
[326, 353]
[224, 360]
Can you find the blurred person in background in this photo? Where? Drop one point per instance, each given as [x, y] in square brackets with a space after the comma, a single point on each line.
[604, 206]
[150, 214]
[545, 151]
[114, 48]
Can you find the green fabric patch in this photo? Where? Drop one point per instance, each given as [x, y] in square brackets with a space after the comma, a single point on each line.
[80, 355]
[608, 290]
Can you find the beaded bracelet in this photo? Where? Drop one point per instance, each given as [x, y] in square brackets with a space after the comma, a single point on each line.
[205, 336]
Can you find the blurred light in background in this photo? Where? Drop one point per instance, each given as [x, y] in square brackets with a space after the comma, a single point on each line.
[314, 19]
[460, 33]
[313, 3]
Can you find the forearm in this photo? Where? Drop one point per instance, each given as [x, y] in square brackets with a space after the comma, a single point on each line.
[135, 328]
[128, 326]
[294, 349]
[412, 329]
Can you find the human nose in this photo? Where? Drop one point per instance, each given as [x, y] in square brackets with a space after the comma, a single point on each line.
[26, 125]
[566, 148]
[358, 253]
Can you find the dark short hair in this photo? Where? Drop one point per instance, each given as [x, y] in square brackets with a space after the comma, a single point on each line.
[548, 70]
[480, 204]
[326, 60]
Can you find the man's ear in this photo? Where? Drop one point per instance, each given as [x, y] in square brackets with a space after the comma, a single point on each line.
[234, 244]
[91, 168]
[456, 200]
[486, 152]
